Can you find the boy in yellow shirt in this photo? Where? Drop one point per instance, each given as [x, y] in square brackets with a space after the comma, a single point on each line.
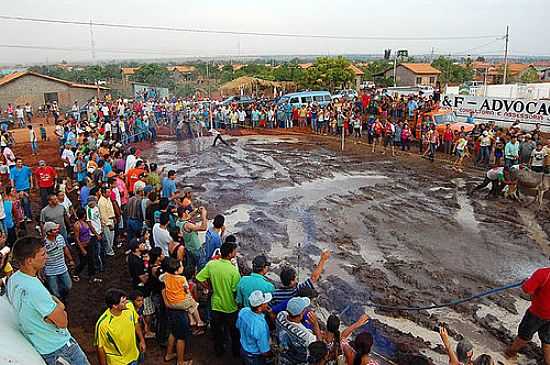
[116, 331]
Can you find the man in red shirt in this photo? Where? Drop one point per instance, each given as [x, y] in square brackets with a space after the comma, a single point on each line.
[45, 180]
[133, 175]
[537, 317]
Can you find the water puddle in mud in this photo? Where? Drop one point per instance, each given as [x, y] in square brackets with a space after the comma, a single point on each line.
[236, 215]
[465, 215]
[310, 192]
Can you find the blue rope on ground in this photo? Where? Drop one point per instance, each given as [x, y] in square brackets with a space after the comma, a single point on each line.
[437, 306]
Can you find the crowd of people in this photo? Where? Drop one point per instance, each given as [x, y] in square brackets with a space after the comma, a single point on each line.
[110, 200]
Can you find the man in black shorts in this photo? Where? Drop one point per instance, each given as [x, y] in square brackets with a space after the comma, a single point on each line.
[537, 317]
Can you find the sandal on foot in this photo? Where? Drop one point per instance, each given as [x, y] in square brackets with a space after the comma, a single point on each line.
[76, 278]
[170, 358]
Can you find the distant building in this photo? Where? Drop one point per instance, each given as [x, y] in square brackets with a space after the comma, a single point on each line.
[544, 73]
[358, 75]
[183, 72]
[30, 87]
[481, 69]
[413, 74]
[127, 72]
[495, 74]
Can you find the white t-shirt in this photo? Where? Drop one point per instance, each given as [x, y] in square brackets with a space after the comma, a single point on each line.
[66, 203]
[68, 155]
[94, 217]
[242, 116]
[9, 156]
[538, 157]
[162, 238]
[2, 212]
[130, 162]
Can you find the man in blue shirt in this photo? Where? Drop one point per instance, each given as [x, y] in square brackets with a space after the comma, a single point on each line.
[20, 176]
[169, 185]
[41, 316]
[21, 179]
[412, 105]
[255, 281]
[251, 323]
[511, 152]
[213, 241]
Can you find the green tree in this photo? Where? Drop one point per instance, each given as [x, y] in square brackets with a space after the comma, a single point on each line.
[328, 72]
[154, 75]
[531, 75]
[452, 72]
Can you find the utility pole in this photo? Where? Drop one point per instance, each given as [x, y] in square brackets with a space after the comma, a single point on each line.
[92, 42]
[505, 56]
[208, 77]
[395, 71]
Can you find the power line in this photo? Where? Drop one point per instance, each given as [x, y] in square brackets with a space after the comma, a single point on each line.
[229, 32]
[102, 50]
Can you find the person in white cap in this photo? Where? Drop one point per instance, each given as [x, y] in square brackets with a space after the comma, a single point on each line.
[254, 331]
[293, 336]
[56, 271]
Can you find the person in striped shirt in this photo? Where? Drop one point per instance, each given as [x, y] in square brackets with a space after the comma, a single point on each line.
[56, 270]
[290, 283]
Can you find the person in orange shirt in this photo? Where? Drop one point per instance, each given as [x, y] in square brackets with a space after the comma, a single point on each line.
[177, 295]
[133, 175]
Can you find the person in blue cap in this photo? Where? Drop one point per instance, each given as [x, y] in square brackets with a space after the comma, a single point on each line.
[294, 337]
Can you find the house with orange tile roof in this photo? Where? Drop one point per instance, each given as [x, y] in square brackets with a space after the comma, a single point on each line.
[413, 74]
[23, 87]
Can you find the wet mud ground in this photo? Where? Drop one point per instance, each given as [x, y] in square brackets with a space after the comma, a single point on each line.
[403, 232]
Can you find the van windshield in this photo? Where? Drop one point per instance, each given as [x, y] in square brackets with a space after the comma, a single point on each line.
[445, 118]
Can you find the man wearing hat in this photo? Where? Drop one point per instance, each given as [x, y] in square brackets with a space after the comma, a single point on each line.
[253, 328]
[255, 281]
[293, 336]
[45, 180]
[56, 270]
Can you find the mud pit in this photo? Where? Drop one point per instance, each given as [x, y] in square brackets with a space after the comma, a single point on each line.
[402, 232]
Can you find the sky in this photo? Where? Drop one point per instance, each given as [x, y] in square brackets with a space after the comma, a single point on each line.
[528, 21]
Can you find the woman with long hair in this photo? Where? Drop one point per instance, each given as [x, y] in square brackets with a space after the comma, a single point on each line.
[337, 342]
[361, 346]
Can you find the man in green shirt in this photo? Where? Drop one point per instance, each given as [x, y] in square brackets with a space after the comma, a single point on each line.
[255, 281]
[223, 276]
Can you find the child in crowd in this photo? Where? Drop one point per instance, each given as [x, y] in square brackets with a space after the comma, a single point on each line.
[43, 135]
[178, 296]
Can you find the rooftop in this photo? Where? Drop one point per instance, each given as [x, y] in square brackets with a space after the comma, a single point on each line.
[14, 76]
[421, 68]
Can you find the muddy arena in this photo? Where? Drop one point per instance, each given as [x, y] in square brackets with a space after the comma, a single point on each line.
[402, 231]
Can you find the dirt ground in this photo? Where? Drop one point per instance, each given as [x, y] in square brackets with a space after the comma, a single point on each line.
[403, 231]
